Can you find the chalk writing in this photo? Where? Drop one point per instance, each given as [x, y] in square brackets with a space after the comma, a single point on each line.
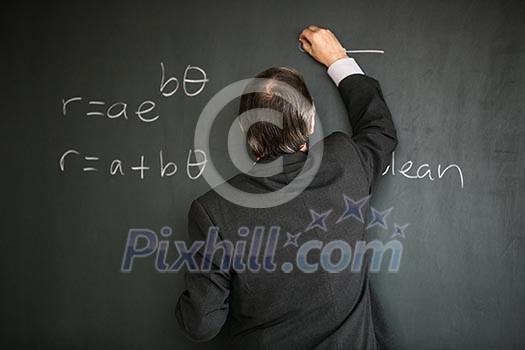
[423, 171]
[115, 167]
[144, 111]
[193, 83]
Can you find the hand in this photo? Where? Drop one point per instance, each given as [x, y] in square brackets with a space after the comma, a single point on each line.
[322, 45]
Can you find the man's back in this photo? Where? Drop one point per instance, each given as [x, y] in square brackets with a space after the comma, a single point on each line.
[303, 303]
[299, 310]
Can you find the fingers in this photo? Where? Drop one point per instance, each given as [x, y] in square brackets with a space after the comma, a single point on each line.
[313, 33]
[321, 44]
[305, 44]
[309, 31]
[306, 39]
[306, 34]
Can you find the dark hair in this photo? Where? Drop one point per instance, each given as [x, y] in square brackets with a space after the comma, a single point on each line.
[283, 90]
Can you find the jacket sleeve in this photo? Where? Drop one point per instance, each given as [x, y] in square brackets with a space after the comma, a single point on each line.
[202, 309]
[373, 131]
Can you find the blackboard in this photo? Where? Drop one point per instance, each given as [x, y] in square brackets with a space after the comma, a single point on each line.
[452, 74]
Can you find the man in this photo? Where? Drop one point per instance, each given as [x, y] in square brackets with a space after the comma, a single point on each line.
[290, 308]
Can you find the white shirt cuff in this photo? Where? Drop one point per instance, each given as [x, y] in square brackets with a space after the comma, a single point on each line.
[342, 68]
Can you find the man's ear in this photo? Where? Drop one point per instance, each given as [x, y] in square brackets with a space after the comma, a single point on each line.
[312, 126]
[242, 129]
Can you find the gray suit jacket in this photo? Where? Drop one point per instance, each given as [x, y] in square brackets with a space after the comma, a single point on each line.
[295, 309]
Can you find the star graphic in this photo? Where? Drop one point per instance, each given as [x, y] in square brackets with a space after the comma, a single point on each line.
[399, 231]
[318, 220]
[292, 239]
[353, 209]
[379, 218]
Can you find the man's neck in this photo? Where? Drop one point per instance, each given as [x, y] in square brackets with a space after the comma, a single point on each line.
[304, 148]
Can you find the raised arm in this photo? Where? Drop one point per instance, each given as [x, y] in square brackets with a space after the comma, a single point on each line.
[373, 132]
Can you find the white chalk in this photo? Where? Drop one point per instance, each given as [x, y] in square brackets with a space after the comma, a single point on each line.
[364, 51]
[350, 51]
